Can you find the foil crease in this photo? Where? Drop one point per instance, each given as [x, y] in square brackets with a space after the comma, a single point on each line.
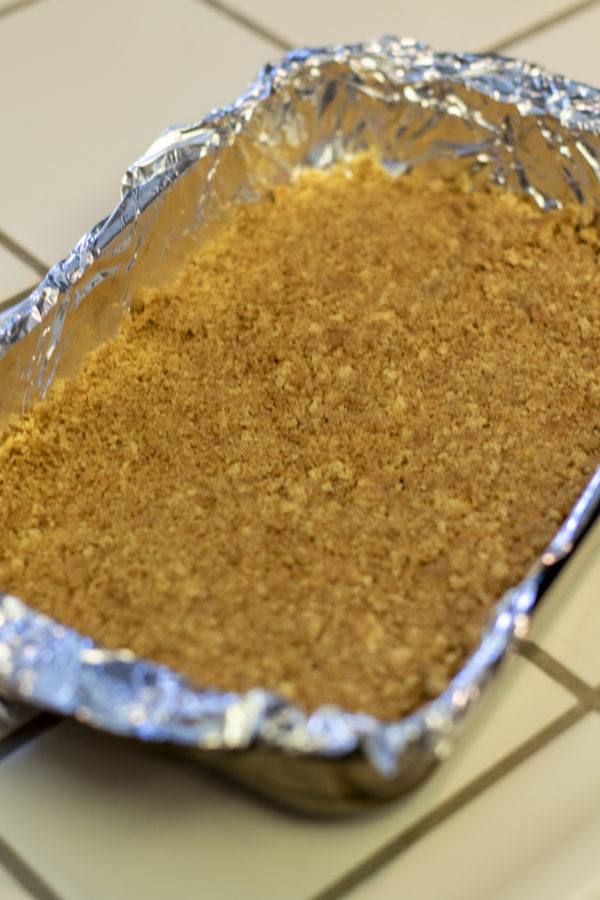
[505, 122]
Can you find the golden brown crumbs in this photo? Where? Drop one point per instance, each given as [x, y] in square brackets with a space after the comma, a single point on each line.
[316, 460]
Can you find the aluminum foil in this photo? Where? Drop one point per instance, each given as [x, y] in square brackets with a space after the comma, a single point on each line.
[504, 122]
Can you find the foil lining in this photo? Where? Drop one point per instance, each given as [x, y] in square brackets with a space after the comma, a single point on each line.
[504, 122]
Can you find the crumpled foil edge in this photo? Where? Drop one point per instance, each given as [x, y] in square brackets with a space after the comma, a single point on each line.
[50, 666]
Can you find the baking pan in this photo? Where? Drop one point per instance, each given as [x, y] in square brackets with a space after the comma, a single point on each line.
[504, 122]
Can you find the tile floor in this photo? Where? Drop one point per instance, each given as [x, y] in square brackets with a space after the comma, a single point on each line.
[515, 812]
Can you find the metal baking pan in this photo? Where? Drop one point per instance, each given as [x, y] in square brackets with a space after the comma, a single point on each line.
[504, 122]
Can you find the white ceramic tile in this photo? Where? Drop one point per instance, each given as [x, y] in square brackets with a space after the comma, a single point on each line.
[567, 622]
[88, 86]
[532, 836]
[570, 48]
[74, 799]
[15, 276]
[460, 25]
[9, 888]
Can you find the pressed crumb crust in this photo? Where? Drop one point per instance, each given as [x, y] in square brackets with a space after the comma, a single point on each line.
[316, 460]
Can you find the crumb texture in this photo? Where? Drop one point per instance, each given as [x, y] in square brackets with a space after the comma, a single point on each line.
[317, 459]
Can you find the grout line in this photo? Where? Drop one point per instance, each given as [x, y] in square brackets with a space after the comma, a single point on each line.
[541, 25]
[26, 733]
[436, 816]
[248, 22]
[16, 6]
[26, 877]
[24, 255]
[559, 673]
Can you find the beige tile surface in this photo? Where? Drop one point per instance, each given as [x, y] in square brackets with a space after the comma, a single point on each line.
[533, 836]
[590, 890]
[570, 48]
[458, 25]
[75, 799]
[567, 622]
[92, 99]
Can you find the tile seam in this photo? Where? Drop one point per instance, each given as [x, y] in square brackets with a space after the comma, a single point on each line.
[543, 24]
[23, 254]
[247, 22]
[17, 6]
[559, 673]
[29, 880]
[439, 814]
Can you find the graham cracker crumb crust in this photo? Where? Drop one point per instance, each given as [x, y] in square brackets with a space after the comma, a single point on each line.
[316, 460]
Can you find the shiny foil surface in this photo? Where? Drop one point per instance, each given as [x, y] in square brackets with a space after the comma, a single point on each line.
[502, 121]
